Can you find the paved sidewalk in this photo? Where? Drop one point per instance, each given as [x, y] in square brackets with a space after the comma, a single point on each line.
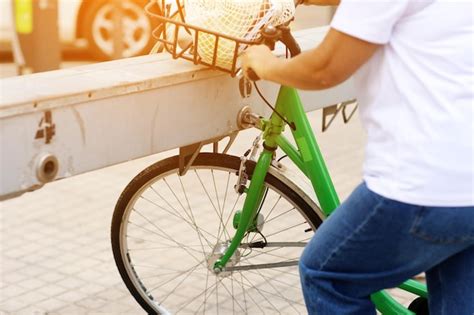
[56, 256]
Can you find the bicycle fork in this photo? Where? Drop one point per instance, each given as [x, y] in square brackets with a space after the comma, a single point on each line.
[252, 201]
[271, 130]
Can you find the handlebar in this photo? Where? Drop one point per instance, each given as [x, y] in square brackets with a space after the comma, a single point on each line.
[271, 35]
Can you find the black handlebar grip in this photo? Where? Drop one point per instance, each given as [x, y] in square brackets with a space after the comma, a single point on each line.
[252, 75]
[290, 42]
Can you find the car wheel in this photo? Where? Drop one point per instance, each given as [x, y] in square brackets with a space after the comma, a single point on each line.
[99, 29]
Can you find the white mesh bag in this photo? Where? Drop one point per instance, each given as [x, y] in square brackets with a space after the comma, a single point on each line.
[241, 19]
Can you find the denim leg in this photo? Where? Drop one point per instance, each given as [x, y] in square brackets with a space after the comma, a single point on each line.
[451, 285]
[369, 243]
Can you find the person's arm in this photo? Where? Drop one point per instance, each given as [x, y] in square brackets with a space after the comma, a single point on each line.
[331, 63]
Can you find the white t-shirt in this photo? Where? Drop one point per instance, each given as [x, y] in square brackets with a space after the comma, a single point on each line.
[416, 97]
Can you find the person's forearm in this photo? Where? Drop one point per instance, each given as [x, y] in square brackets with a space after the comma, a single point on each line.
[331, 63]
[307, 71]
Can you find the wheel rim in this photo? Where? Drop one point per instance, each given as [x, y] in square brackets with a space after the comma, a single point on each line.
[184, 283]
[136, 29]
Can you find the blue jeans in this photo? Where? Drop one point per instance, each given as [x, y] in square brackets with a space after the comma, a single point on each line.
[372, 243]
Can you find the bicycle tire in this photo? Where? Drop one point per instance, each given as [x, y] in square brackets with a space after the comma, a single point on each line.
[246, 296]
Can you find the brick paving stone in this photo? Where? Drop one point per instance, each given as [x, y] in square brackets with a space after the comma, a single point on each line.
[11, 243]
[49, 242]
[70, 309]
[32, 270]
[72, 296]
[31, 297]
[90, 263]
[31, 310]
[9, 268]
[51, 304]
[52, 289]
[49, 251]
[15, 253]
[33, 258]
[32, 283]
[72, 267]
[119, 308]
[69, 257]
[51, 263]
[109, 279]
[113, 294]
[12, 291]
[71, 283]
[92, 303]
[52, 277]
[89, 275]
[11, 306]
[91, 289]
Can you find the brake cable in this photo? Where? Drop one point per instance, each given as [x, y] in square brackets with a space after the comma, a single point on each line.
[291, 124]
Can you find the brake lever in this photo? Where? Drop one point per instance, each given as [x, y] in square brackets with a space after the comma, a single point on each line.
[251, 75]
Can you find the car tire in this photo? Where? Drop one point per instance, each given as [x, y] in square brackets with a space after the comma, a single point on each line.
[98, 29]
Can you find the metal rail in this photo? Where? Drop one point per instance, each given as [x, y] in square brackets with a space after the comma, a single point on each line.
[63, 123]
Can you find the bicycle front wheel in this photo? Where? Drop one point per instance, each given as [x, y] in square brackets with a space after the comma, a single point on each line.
[167, 232]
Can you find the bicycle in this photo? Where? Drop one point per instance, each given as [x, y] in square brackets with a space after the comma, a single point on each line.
[185, 240]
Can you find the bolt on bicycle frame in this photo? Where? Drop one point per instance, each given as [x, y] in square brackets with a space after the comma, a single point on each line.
[309, 160]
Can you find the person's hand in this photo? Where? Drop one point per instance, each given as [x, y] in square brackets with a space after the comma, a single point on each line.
[259, 58]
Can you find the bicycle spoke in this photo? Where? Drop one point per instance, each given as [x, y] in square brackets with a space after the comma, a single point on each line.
[276, 278]
[232, 297]
[284, 230]
[181, 282]
[156, 286]
[176, 197]
[192, 216]
[273, 208]
[194, 298]
[221, 209]
[173, 213]
[179, 216]
[226, 190]
[243, 292]
[269, 282]
[217, 295]
[260, 292]
[279, 215]
[168, 238]
[250, 296]
[159, 248]
[205, 295]
[208, 294]
[230, 215]
[158, 274]
[221, 222]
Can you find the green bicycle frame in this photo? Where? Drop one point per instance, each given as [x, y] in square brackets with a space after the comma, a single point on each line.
[308, 158]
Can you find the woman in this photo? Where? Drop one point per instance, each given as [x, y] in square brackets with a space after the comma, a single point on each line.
[412, 63]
